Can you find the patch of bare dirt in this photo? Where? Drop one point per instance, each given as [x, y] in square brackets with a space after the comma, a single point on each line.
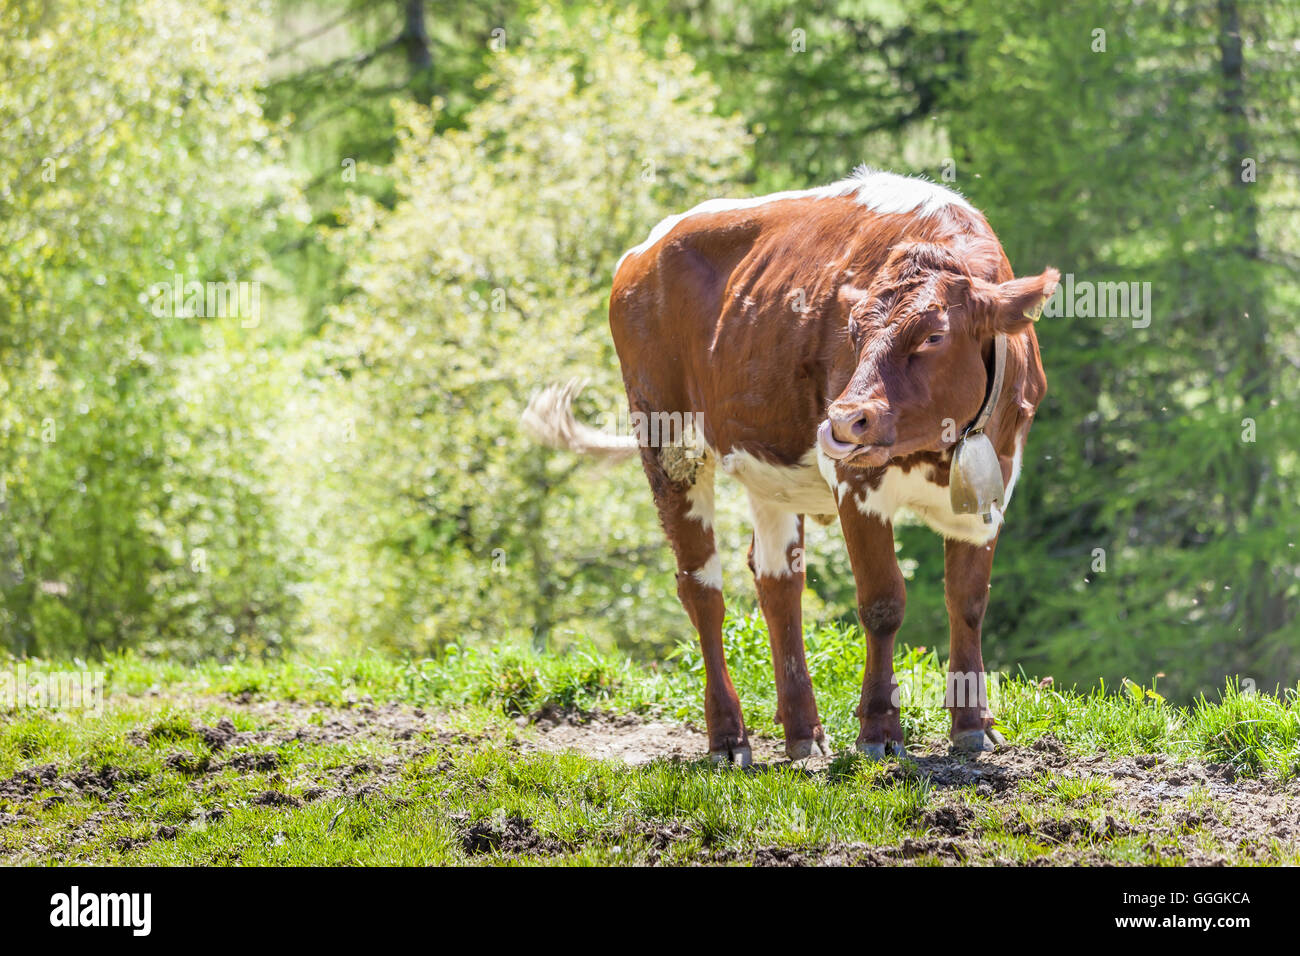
[99, 782]
[27, 782]
[262, 761]
[618, 738]
[513, 835]
[634, 741]
[223, 735]
[276, 798]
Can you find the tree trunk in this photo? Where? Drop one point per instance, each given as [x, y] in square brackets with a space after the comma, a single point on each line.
[1263, 607]
[415, 37]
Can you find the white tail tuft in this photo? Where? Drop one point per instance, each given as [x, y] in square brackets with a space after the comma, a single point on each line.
[548, 420]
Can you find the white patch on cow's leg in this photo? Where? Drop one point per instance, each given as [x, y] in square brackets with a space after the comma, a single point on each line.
[700, 508]
[711, 574]
[775, 531]
[700, 495]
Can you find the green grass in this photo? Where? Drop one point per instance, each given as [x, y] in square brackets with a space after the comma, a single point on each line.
[368, 760]
[1071, 791]
[1258, 733]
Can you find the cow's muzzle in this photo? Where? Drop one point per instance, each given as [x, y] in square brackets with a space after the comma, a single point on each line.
[861, 422]
[854, 429]
[868, 456]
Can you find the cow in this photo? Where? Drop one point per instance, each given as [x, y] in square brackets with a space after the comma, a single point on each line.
[843, 348]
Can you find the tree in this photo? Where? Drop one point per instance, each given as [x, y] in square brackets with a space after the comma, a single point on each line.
[1155, 530]
[488, 278]
[139, 154]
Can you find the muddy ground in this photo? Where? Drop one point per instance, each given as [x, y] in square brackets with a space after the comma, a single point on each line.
[1154, 797]
[1245, 812]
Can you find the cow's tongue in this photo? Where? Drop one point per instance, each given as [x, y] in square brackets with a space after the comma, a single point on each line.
[832, 446]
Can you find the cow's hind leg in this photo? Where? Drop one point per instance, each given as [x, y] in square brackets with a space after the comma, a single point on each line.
[683, 492]
[776, 557]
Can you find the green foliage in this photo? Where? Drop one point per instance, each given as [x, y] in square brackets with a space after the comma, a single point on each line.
[347, 472]
[139, 153]
[1154, 531]
[827, 86]
[483, 281]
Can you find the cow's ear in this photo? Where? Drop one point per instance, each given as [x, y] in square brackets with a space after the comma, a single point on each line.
[1007, 307]
[846, 299]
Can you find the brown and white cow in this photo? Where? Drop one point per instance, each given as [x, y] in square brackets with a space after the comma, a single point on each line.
[838, 342]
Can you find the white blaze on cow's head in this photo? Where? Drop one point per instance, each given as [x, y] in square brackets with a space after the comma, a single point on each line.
[920, 333]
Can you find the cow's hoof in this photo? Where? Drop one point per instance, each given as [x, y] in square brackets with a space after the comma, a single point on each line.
[975, 741]
[800, 749]
[872, 751]
[737, 756]
[879, 751]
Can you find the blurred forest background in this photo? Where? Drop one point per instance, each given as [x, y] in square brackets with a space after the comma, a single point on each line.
[430, 198]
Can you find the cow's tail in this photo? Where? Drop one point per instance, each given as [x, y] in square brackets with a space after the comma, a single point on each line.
[548, 420]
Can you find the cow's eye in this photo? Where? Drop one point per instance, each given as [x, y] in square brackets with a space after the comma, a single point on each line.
[934, 339]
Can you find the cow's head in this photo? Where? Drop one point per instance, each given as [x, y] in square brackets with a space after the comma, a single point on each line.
[919, 333]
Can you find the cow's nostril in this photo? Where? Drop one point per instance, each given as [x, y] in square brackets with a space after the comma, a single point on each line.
[851, 426]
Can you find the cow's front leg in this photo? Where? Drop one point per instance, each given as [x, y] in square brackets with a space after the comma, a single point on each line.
[776, 556]
[966, 572]
[882, 597]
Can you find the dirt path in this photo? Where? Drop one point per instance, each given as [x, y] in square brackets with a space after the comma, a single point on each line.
[636, 742]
